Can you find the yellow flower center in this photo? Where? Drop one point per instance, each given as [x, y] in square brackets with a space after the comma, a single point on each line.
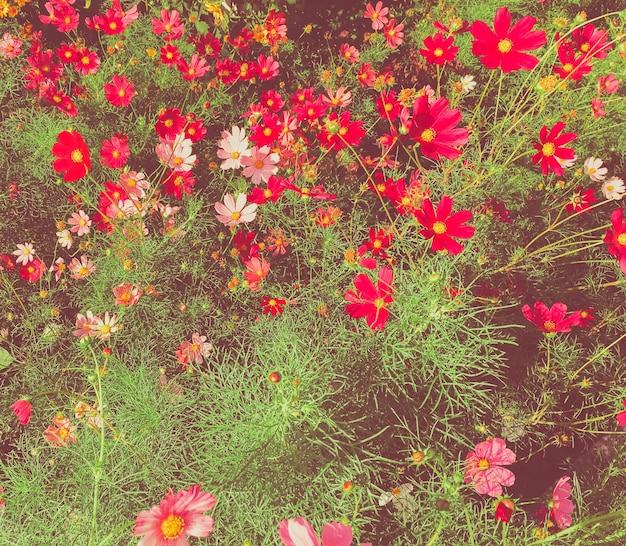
[585, 47]
[63, 433]
[85, 60]
[549, 326]
[379, 302]
[83, 272]
[272, 303]
[172, 527]
[235, 155]
[169, 122]
[235, 215]
[267, 131]
[343, 131]
[548, 149]
[621, 239]
[504, 46]
[258, 164]
[105, 329]
[438, 52]
[168, 27]
[82, 222]
[396, 491]
[483, 464]
[568, 67]
[610, 187]
[121, 93]
[191, 72]
[77, 156]
[428, 135]
[377, 244]
[439, 228]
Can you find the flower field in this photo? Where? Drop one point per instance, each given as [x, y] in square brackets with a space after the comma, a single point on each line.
[312, 274]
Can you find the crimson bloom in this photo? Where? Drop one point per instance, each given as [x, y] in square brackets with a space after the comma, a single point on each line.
[72, 156]
[504, 510]
[617, 239]
[339, 132]
[502, 47]
[272, 305]
[553, 319]
[434, 127]
[483, 467]
[621, 416]
[439, 49]
[22, 409]
[120, 91]
[550, 148]
[581, 200]
[177, 517]
[371, 301]
[442, 226]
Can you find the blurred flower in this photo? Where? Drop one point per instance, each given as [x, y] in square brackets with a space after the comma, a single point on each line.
[258, 269]
[115, 152]
[86, 324]
[191, 352]
[562, 506]
[22, 409]
[349, 53]
[468, 83]
[597, 106]
[617, 239]
[593, 168]
[232, 147]
[176, 153]
[81, 269]
[177, 517]
[608, 84]
[64, 238]
[92, 413]
[441, 226]
[553, 319]
[504, 510]
[483, 467]
[61, 434]
[378, 15]
[613, 188]
[169, 24]
[400, 497]
[10, 46]
[621, 416]
[393, 34]
[103, 328]
[260, 164]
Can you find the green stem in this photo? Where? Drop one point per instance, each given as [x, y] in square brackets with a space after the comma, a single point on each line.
[435, 537]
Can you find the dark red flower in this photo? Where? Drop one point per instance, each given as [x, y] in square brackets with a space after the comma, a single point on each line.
[553, 319]
[244, 242]
[22, 409]
[272, 305]
[339, 132]
[441, 226]
[439, 49]
[504, 510]
[378, 242]
[371, 301]
[581, 200]
[617, 239]
[433, 126]
[503, 46]
[178, 182]
[388, 106]
[170, 123]
[72, 156]
[550, 148]
[591, 42]
[621, 416]
[275, 188]
[32, 271]
[586, 317]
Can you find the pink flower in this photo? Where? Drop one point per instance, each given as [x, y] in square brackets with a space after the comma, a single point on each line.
[553, 319]
[267, 67]
[562, 506]
[115, 152]
[621, 416]
[86, 324]
[80, 223]
[597, 106]
[58, 268]
[22, 409]
[87, 62]
[176, 153]
[127, 294]
[393, 34]
[258, 269]
[177, 517]
[120, 91]
[260, 164]
[607, 84]
[483, 467]
[349, 53]
[61, 433]
[10, 46]
[81, 269]
[196, 68]
[191, 352]
[169, 24]
[232, 148]
[234, 213]
[378, 15]
[298, 532]
[134, 183]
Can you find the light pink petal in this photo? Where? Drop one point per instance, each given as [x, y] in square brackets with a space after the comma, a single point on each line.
[336, 534]
[297, 532]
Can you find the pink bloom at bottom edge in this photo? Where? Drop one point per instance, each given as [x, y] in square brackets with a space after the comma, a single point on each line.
[483, 467]
[298, 532]
[562, 506]
[177, 517]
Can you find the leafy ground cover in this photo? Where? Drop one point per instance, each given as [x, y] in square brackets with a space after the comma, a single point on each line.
[311, 274]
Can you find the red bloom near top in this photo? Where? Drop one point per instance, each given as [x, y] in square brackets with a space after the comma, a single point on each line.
[503, 46]
[617, 239]
[120, 91]
[438, 49]
[339, 132]
[553, 319]
[434, 127]
[442, 226]
[72, 156]
[371, 301]
[550, 147]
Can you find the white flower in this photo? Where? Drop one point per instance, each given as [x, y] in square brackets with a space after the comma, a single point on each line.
[176, 154]
[232, 214]
[25, 253]
[232, 148]
[566, 163]
[592, 168]
[468, 83]
[400, 497]
[613, 188]
[65, 239]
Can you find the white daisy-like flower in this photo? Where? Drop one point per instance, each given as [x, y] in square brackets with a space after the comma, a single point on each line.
[233, 213]
[232, 148]
[400, 497]
[65, 239]
[467, 83]
[566, 163]
[25, 253]
[613, 188]
[593, 168]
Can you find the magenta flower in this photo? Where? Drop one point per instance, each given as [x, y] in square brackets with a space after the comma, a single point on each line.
[621, 416]
[298, 532]
[177, 517]
[553, 319]
[483, 467]
[22, 409]
[562, 506]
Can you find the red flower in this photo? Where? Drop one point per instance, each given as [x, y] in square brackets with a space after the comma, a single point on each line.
[586, 317]
[115, 152]
[338, 132]
[272, 305]
[580, 200]
[591, 41]
[503, 46]
[120, 91]
[617, 239]
[170, 124]
[621, 416]
[72, 156]
[170, 55]
[378, 242]
[573, 67]
[438, 50]
[178, 182]
[553, 319]
[550, 148]
[22, 409]
[434, 127]
[504, 510]
[275, 188]
[388, 106]
[442, 226]
[32, 271]
[371, 301]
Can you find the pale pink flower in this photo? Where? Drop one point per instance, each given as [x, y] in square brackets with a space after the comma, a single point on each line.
[191, 352]
[128, 16]
[562, 506]
[349, 53]
[134, 183]
[393, 34]
[86, 324]
[340, 99]
[127, 294]
[566, 163]
[169, 24]
[177, 153]
[177, 517]
[378, 15]
[260, 164]
[608, 84]
[92, 413]
[58, 268]
[258, 269]
[10, 46]
[288, 124]
[613, 188]
[232, 147]
[61, 433]
[81, 269]
[65, 239]
[298, 532]
[268, 68]
[105, 327]
[234, 213]
[483, 467]
[80, 223]
[593, 168]
[25, 253]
